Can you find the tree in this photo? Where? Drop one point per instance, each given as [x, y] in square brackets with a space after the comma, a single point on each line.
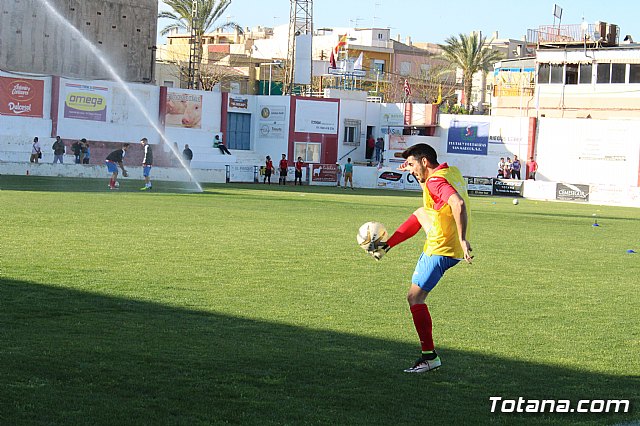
[209, 12]
[470, 54]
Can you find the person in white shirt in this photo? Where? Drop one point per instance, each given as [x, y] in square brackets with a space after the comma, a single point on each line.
[36, 151]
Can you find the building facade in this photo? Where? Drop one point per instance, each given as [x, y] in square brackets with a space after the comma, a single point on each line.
[35, 39]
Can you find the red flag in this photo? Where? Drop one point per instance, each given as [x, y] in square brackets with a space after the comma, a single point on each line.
[407, 88]
[332, 60]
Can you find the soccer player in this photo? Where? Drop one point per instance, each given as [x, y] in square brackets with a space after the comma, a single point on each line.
[445, 217]
[268, 169]
[298, 173]
[113, 161]
[284, 167]
[147, 162]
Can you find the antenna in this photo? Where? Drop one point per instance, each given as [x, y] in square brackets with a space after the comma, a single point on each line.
[557, 13]
[375, 13]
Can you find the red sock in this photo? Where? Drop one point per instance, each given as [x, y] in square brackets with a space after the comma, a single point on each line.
[422, 321]
[112, 182]
[407, 230]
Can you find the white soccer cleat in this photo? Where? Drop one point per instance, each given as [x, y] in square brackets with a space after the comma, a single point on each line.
[423, 365]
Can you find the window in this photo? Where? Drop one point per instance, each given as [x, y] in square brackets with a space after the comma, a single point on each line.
[378, 66]
[585, 73]
[557, 71]
[634, 73]
[351, 135]
[352, 132]
[379, 36]
[571, 74]
[618, 73]
[424, 69]
[405, 68]
[604, 73]
[543, 73]
[309, 151]
[167, 83]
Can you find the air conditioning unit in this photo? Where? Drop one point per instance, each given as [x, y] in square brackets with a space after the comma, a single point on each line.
[601, 30]
[612, 34]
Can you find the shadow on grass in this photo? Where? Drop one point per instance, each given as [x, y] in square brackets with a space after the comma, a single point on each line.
[69, 357]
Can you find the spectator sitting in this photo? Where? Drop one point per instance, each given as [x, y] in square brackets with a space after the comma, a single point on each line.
[217, 143]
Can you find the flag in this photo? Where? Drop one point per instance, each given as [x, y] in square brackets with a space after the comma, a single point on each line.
[342, 41]
[407, 88]
[357, 65]
[439, 101]
[332, 60]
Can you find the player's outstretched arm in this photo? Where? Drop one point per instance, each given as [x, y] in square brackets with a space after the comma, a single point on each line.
[405, 231]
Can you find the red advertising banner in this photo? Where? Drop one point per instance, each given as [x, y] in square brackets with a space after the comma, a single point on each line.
[324, 173]
[21, 96]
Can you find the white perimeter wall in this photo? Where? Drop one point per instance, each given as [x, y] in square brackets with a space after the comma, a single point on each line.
[124, 122]
[352, 110]
[507, 137]
[589, 151]
[270, 136]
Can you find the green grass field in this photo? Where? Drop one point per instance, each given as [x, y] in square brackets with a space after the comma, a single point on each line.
[248, 304]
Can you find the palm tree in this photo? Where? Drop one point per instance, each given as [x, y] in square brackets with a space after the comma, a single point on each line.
[209, 12]
[470, 54]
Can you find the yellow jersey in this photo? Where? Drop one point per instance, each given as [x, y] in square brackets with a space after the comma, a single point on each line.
[442, 239]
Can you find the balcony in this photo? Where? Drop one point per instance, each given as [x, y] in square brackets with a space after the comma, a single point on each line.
[600, 33]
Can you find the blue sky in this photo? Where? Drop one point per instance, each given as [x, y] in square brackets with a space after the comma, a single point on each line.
[434, 21]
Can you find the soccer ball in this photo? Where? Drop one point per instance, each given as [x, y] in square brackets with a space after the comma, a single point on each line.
[515, 202]
[117, 184]
[371, 232]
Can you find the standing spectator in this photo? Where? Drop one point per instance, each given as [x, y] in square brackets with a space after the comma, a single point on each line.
[283, 166]
[36, 151]
[348, 173]
[507, 168]
[338, 174]
[76, 147]
[83, 150]
[268, 169]
[371, 143]
[298, 174]
[147, 162]
[532, 168]
[114, 159]
[187, 154]
[515, 168]
[86, 151]
[58, 151]
[379, 149]
[501, 168]
[217, 143]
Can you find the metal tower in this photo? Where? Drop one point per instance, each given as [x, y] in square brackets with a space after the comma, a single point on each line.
[300, 22]
[195, 52]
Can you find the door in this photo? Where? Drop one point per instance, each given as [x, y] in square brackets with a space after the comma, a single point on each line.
[238, 131]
